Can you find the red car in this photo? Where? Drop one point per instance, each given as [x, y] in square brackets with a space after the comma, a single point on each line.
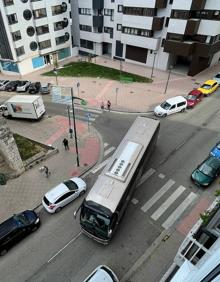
[193, 98]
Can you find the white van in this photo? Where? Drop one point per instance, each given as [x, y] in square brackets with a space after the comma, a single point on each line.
[102, 274]
[171, 106]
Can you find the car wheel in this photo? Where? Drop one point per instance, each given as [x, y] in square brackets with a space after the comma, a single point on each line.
[82, 192]
[183, 110]
[164, 115]
[3, 252]
[58, 210]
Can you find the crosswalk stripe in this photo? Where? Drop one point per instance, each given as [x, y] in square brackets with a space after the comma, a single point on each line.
[167, 203]
[101, 165]
[146, 176]
[157, 196]
[177, 213]
[84, 118]
[109, 151]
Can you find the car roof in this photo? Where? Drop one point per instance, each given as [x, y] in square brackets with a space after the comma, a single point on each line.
[195, 92]
[210, 81]
[212, 161]
[176, 99]
[56, 192]
[45, 84]
[7, 226]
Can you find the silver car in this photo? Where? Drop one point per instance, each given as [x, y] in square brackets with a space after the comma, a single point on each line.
[102, 274]
[23, 86]
[64, 193]
[3, 83]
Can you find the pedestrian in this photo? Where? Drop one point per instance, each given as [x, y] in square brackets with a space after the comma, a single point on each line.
[109, 105]
[66, 144]
[46, 170]
[102, 106]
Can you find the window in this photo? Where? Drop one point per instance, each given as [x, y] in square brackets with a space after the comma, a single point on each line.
[33, 46]
[119, 27]
[42, 29]
[120, 8]
[58, 25]
[86, 44]
[60, 40]
[171, 2]
[16, 35]
[162, 43]
[85, 27]
[40, 13]
[109, 30]
[84, 11]
[44, 44]
[8, 2]
[19, 51]
[167, 22]
[30, 31]
[137, 31]
[139, 11]
[12, 19]
[27, 15]
[108, 12]
[56, 10]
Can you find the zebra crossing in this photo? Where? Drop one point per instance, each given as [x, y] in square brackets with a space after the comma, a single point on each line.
[171, 194]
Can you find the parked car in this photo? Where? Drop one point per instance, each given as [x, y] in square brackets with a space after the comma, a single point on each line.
[102, 274]
[217, 77]
[63, 194]
[23, 85]
[208, 87]
[45, 88]
[34, 87]
[11, 86]
[171, 106]
[3, 83]
[206, 172]
[193, 98]
[215, 152]
[16, 228]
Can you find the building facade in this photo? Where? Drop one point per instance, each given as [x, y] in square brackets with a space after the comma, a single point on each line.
[159, 33]
[34, 33]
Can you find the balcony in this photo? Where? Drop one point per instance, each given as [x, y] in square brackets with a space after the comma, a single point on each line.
[192, 26]
[97, 21]
[179, 48]
[206, 50]
[157, 23]
[97, 4]
[140, 41]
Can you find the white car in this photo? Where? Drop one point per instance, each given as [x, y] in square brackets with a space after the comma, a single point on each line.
[217, 78]
[171, 106]
[102, 274]
[23, 86]
[63, 194]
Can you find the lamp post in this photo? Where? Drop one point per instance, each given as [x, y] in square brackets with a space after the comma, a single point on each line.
[116, 95]
[56, 74]
[120, 68]
[78, 85]
[70, 128]
[74, 122]
[152, 72]
[168, 78]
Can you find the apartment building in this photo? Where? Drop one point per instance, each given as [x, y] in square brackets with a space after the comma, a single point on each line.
[159, 33]
[33, 33]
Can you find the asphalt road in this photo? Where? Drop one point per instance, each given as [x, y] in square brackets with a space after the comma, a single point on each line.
[59, 252]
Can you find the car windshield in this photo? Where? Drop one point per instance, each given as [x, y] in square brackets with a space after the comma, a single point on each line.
[191, 97]
[70, 185]
[218, 146]
[21, 219]
[95, 221]
[165, 105]
[206, 86]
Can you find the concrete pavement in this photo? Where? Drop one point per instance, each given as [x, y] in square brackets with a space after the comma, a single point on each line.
[26, 191]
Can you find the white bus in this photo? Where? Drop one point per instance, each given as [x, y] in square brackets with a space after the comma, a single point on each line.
[105, 204]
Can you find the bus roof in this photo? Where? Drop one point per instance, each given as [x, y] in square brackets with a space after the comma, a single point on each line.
[113, 181]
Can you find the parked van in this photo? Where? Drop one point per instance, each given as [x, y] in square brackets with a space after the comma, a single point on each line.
[102, 274]
[171, 106]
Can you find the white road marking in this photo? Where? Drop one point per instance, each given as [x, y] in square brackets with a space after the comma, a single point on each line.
[157, 196]
[161, 175]
[101, 165]
[109, 151]
[146, 176]
[105, 145]
[178, 211]
[64, 247]
[167, 203]
[134, 201]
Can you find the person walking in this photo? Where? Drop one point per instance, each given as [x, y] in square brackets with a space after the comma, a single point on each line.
[102, 106]
[66, 144]
[109, 105]
[46, 170]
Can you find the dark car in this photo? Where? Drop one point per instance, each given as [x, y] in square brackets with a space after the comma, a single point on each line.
[3, 83]
[206, 172]
[34, 87]
[193, 98]
[16, 228]
[12, 86]
[45, 88]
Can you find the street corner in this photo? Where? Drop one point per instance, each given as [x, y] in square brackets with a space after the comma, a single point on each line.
[186, 224]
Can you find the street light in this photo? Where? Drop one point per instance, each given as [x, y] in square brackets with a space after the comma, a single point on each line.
[70, 128]
[168, 78]
[120, 68]
[56, 74]
[74, 122]
[155, 53]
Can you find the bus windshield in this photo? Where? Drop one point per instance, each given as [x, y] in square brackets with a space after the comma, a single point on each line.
[95, 222]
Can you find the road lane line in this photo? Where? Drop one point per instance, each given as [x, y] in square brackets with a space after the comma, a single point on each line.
[71, 241]
[157, 196]
[101, 165]
[146, 176]
[167, 203]
[178, 211]
[109, 151]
